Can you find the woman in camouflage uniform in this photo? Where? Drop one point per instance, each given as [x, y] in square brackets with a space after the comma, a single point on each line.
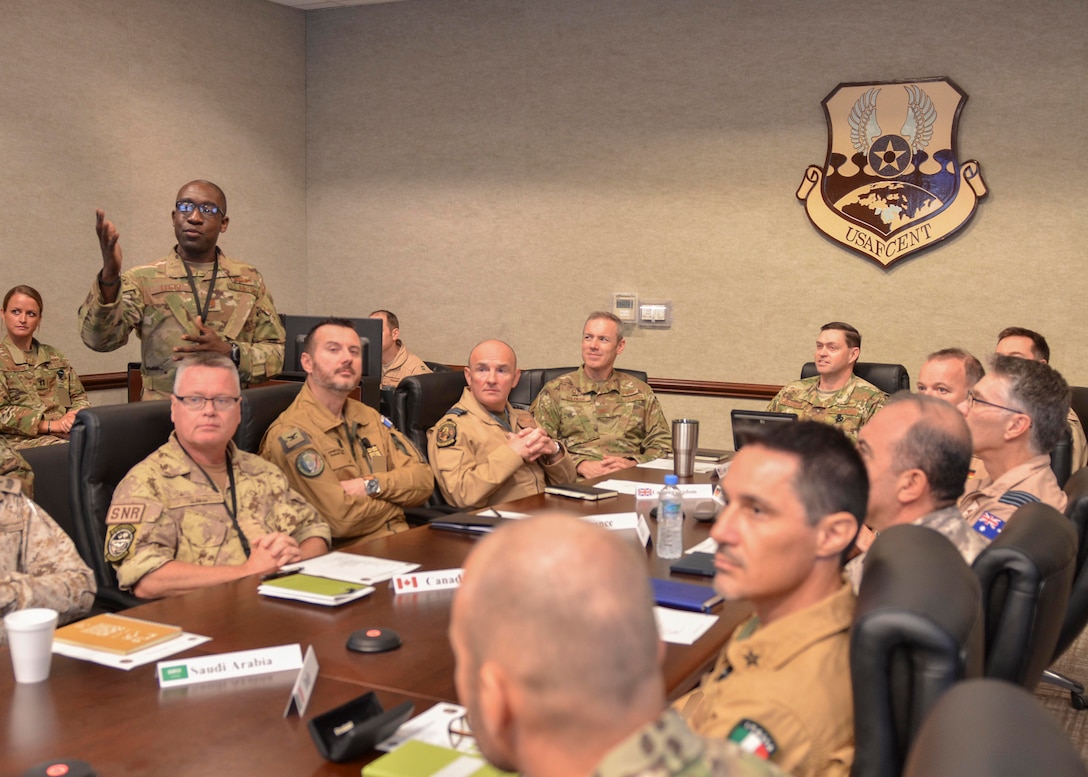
[40, 393]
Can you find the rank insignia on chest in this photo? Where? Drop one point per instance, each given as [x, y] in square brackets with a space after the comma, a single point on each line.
[752, 738]
[446, 434]
[839, 418]
[293, 439]
[41, 383]
[751, 658]
[309, 463]
[60, 374]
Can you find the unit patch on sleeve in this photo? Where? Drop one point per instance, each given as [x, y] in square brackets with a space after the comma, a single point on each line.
[752, 738]
[446, 434]
[119, 541]
[309, 463]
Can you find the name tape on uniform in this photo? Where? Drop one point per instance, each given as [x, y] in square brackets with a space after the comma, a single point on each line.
[434, 580]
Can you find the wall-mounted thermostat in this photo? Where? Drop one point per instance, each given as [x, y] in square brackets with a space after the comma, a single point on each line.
[625, 307]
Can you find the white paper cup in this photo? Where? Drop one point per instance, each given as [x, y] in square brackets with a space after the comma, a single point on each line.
[30, 640]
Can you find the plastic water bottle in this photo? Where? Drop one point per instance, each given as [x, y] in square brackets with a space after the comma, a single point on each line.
[670, 520]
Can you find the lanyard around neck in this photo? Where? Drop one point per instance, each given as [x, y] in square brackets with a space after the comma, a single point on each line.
[202, 311]
[232, 508]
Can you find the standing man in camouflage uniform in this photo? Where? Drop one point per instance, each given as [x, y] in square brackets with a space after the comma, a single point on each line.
[195, 299]
[39, 565]
[198, 511]
[592, 702]
[835, 395]
[917, 450]
[398, 362]
[794, 501]
[342, 456]
[608, 420]
[483, 451]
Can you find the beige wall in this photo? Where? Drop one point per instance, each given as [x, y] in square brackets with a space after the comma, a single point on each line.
[115, 104]
[498, 168]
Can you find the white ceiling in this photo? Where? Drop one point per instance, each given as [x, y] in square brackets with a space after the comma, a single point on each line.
[311, 5]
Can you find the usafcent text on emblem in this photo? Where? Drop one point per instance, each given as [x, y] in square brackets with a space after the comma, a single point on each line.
[892, 184]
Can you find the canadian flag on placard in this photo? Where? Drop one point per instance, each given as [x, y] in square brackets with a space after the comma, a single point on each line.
[405, 581]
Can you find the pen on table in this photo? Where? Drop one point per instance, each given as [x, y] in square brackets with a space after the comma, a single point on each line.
[712, 602]
[495, 512]
[280, 573]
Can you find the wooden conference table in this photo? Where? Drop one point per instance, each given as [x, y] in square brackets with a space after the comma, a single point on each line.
[123, 724]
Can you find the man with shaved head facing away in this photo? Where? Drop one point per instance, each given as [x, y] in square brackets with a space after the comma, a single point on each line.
[559, 662]
[917, 450]
[483, 451]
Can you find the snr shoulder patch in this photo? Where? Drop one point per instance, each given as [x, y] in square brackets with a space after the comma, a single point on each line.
[446, 434]
[125, 514]
[752, 738]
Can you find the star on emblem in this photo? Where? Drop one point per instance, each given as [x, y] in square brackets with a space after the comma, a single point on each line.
[751, 658]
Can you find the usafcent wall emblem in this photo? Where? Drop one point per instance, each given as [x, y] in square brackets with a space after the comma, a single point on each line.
[892, 184]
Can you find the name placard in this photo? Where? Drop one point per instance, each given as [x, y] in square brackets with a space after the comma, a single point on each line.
[434, 580]
[687, 490]
[622, 522]
[243, 663]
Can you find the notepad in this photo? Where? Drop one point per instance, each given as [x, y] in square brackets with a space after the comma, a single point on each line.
[314, 590]
[574, 491]
[115, 633]
[420, 759]
[684, 596]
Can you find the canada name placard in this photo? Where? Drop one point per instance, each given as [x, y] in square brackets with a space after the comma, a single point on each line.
[892, 184]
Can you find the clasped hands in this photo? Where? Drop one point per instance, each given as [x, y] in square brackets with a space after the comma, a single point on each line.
[531, 443]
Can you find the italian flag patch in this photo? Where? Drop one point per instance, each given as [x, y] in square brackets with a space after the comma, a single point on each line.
[752, 738]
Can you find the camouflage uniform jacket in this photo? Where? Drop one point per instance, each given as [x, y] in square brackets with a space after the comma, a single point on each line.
[668, 748]
[13, 465]
[317, 450]
[39, 565]
[849, 408]
[35, 387]
[619, 416]
[988, 504]
[949, 522]
[164, 510]
[785, 690]
[404, 364]
[475, 467]
[157, 301]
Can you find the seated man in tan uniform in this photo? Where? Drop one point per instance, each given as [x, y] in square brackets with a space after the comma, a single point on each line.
[198, 511]
[1017, 341]
[1016, 413]
[835, 395]
[342, 456]
[483, 451]
[398, 362]
[917, 450]
[592, 702]
[795, 498]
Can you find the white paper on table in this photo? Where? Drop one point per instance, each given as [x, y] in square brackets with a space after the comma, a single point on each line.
[622, 486]
[681, 627]
[432, 727]
[353, 568]
[493, 513]
[181, 642]
[668, 465]
[709, 545]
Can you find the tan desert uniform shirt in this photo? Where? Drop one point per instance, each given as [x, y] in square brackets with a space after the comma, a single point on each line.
[475, 467]
[619, 416]
[317, 450]
[988, 504]
[35, 387]
[404, 364]
[668, 748]
[787, 684]
[39, 565]
[849, 408]
[166, 510]
[1079, 456]
[157, 301]
[949, 522]
[13, 465]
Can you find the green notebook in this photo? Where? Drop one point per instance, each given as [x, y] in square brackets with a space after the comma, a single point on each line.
[419, 759]
[313, 589]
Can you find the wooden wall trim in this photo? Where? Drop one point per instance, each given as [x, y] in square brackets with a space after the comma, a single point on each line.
[696, 388]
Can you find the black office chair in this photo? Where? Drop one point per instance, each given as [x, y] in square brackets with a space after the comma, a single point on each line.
[1076, 612]
[106, 442]
[1079, 404]
[532, 381]
[418, 404]
[260, 407]
[889, 378]
[49, 463]
[988, 728]
[438, 366]
[1026, 574]
[1061, 458]
[917, 630]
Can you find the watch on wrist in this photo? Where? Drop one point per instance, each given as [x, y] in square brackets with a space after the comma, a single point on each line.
[235, 354]
[373, 487]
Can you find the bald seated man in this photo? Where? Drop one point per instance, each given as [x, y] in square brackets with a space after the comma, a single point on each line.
[483, 451]
[593, 701]
[917, 450]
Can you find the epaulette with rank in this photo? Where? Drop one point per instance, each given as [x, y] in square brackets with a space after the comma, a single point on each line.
[11, 485]
[458, 411]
